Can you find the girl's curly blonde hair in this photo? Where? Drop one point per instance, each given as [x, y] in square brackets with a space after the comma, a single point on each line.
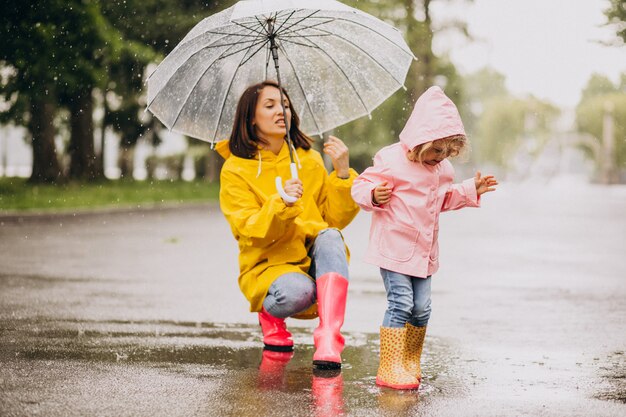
[452, 145]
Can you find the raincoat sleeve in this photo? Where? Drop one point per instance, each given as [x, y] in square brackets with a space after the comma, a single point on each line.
[365, 183]
[262, 223]
[461, 195]
[334, 200]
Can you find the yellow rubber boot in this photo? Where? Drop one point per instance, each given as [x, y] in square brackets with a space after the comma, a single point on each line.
[413, 344]
[391, 372]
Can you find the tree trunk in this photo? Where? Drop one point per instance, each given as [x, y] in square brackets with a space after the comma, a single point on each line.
[46, 167]
[125, 162]
[83, 162]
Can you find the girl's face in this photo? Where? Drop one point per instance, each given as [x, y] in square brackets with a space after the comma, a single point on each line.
[435, 154]
[269, 120]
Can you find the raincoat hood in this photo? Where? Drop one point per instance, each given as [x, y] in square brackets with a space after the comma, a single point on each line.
[222, 148]
[434, 117]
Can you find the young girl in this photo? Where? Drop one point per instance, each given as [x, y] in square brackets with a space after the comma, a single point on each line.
[406, 189]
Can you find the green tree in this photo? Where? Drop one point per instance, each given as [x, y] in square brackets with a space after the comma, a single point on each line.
[602, 98]
[159, 25]
[616, 15]
[55, 51]
[506, 123]
[29, 55]
[481, 88]
[413, 19]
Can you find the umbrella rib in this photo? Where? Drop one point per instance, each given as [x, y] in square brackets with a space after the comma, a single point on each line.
[169, 79]
[253, 44]
[342, 72]
[277, 31]
[217, 125]
[307, 27]
[267, 62]
[370, 29]
[298, 43]
[216, 40]
[193, 88]
[301, 20]
[253, 29]
[267, 33]
[230, 45]
[230, 34]
[327, 33]
[264, 42]
[306, 100]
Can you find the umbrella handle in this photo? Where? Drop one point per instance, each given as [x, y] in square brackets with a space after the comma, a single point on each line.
[279, 185]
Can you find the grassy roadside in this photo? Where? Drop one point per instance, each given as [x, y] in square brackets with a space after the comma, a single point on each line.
[18, 195]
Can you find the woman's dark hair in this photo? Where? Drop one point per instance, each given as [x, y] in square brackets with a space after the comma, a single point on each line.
[243, 139]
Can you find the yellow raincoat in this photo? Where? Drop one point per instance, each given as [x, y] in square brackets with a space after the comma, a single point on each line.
[275, 239]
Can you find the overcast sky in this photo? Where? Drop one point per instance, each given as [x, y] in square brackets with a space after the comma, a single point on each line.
[543, 47]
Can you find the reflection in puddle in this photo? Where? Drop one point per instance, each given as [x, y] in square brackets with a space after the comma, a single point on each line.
[244, 379]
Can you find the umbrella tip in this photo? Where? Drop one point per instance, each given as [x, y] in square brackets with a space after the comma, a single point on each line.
[404, 87]
[369, 115]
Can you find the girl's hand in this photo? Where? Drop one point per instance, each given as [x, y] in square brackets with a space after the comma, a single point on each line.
[381, 194]
[293, 188]
[339, 156]
[484, 184]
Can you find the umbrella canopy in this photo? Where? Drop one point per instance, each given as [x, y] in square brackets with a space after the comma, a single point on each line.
[338, 64]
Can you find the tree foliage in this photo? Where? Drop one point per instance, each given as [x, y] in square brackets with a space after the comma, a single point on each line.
[616, 15]
[364, 136]
[506, 123]
[600, 96]
[56, 53]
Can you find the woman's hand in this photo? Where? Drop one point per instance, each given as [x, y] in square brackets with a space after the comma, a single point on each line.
[338, 152]
[381, 194]
[484, 184]
[293, 188]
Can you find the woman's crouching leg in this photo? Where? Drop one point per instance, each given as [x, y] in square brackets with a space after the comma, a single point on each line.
[289, 294]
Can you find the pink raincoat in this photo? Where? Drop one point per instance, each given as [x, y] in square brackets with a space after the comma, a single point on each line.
[403, 234]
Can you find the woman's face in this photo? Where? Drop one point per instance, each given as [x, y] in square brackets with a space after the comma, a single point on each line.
[269, 120]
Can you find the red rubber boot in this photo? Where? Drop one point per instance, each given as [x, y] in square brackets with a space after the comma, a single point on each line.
[275, 335]
[332, 291]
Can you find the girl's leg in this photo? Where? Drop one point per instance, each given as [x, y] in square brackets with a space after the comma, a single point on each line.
[329, 267]
[416, 327]
[399, 289]
[289, 294]
[421, 302]
[391, 370]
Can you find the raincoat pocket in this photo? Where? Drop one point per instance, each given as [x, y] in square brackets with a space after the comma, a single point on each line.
[397, 242]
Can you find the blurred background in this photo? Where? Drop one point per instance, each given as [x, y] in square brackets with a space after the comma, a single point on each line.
[541, 86]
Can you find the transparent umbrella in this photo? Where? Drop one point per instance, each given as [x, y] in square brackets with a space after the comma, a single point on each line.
[337, 62]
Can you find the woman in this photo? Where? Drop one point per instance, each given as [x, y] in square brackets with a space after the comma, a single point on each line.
[290, 254]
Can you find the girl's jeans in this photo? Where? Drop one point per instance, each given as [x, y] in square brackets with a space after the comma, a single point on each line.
[292, 293]
[408, 299]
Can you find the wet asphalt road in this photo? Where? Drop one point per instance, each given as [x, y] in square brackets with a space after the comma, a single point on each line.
[137, 312]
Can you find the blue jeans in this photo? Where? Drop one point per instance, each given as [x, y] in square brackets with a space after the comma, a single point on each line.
[408, 299]
[293, 293]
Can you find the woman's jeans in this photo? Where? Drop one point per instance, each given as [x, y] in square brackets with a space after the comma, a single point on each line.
[293, 293]
[408, 299]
